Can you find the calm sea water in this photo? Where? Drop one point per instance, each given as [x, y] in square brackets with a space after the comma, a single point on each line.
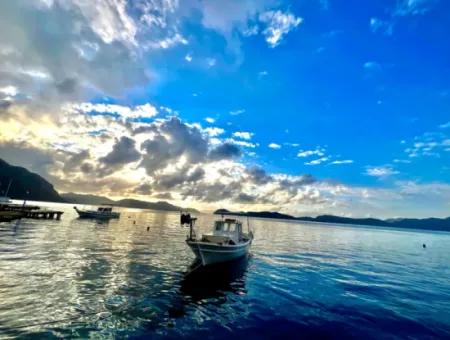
[82, 278]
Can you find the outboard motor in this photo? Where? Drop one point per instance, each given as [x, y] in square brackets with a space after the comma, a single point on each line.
[185, 219]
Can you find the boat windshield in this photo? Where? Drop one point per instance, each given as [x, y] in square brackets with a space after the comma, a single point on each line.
[230, 226]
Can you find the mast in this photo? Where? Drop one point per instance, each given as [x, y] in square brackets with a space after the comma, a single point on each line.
[9, 186]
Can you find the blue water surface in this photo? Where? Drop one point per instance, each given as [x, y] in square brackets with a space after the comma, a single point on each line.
[86, 279]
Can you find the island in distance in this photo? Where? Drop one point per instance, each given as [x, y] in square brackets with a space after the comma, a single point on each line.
[441, 224]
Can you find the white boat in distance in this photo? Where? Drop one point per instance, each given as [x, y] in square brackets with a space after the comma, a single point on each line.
[227, 242]
[100, 213]
[5, 200]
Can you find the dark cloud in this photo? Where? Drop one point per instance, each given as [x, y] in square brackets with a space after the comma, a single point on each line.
[87, 168]
[164, 196]
[143, 189]
[258, 175]
[180, 177]
[245, 198]
[4, 105]
[174, 139]
[67, 86]
[225, 151]
[214, 192]
[298, 182]
[74, 161]
[123, 152]
[29, 157]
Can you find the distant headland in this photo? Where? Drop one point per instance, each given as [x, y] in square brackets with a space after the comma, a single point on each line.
[441, 224]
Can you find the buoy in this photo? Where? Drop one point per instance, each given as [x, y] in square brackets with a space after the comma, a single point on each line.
[134, 222]
[424, 245]
[148, 228]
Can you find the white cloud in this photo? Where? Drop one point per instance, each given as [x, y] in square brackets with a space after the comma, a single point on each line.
[380, 171]
[210, 120]
[9, 90]
[243, 135]
[263, 73]
[108, 19]
[211, 62]
[278, 25]
[430, 144]
[237, 112]
[34, 73]
[168, 42]
[445, 125]
[308, 153]
[413, 7]
[344, 161]
[141, 111]
[213, 131]
[250, 31]
[241, 143]
[404, 161]
[372, 66]
[188, 57]
[274, 146]
[317, 161]
[378, 25]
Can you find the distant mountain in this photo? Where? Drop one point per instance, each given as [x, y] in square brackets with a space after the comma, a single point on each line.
[75, 198]
[127, 203]
[24, 181]
[161, 205]
[442, 224]
[261, 214]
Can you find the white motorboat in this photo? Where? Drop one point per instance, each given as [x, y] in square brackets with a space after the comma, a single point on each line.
[227, 241]
[5, 200]
[100, 213]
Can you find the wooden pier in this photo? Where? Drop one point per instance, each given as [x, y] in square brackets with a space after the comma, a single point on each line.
[28, 211]
[43, 214]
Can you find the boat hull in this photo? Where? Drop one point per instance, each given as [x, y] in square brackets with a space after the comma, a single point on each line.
[210, 253]
[89, 214]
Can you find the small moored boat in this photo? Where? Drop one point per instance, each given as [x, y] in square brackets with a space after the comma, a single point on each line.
[100, 213]
[227, 241]
[5, 200]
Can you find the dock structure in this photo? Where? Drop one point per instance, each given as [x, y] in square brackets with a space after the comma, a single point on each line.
[18, 207]
[28, 211]
[43, 214]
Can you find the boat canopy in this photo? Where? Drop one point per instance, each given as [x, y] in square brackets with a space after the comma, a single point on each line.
[230, 228]
[101, 209]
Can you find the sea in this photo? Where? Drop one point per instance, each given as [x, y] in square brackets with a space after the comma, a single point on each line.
[135, 278]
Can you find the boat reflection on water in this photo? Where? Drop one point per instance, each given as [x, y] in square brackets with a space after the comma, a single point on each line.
[202, 282]
[210, 283]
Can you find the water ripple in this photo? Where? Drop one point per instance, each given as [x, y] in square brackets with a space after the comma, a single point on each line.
[82, 278]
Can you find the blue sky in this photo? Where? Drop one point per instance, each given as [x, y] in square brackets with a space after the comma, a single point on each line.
[335, 82]
[355, 94]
